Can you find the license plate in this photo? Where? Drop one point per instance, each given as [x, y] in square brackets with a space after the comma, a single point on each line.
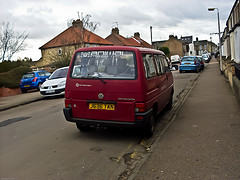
[27, 86]
[50, 91]
[102, 106]
[188, 63]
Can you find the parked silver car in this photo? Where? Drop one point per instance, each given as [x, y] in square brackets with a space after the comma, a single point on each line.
[55, 85]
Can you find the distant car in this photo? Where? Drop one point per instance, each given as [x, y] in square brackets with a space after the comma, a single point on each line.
[55, 85]
[206, 58]
[33, 80]
[201, 62]
[189, 63]
[175, 58]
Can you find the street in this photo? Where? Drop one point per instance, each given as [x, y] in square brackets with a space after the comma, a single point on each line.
[36, 142]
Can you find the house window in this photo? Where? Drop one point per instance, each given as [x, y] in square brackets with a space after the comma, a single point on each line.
[59, 51]
[87, 45]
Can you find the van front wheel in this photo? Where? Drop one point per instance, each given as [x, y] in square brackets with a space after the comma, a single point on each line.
[149, 130]
[83, 127]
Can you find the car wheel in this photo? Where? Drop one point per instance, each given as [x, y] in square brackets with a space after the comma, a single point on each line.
[149, 130]
[83, 127]
[38, 87]
[23, 90]
[180, 71]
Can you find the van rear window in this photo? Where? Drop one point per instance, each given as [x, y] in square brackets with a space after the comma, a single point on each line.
[104, 64]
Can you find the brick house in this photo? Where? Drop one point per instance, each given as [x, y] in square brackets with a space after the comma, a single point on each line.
[173, 43]
[119, 40]
[69, 40]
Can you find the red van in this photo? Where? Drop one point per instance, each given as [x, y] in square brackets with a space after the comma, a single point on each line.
[117, 86]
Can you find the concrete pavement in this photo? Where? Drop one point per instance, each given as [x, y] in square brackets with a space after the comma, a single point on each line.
[203, 140]
[20, 99]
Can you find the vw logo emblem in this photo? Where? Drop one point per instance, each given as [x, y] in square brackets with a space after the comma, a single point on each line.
[100, 96]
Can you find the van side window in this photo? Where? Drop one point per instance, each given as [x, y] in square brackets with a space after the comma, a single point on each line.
[150, 70]
[159, 64]
[164, 64]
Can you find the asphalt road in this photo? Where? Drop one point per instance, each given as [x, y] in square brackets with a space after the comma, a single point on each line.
[36, 142]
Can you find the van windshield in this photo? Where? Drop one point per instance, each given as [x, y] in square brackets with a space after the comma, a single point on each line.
[104, 65]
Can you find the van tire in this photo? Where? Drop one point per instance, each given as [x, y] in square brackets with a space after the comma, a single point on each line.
[169, 105]
[149, 130]
[83, 127]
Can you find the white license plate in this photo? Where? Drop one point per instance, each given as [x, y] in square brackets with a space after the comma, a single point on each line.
[50, 91]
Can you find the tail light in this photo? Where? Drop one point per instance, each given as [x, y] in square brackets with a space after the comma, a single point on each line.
[201, 62]
[20, 81]
[180, 62]
[140, 107]
[35, 79]
[68, 103]
[195, 63]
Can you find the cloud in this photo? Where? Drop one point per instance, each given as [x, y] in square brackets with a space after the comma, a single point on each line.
[45, 19]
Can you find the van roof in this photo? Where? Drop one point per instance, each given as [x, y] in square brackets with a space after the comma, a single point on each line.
[124, 48]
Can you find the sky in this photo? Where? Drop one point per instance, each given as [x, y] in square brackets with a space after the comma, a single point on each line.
[45, 19]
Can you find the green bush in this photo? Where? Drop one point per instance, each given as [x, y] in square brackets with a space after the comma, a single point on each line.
[9, 65]
[165, 50]
[11, 79]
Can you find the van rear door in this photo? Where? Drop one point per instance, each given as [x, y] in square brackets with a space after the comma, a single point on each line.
[103, 85]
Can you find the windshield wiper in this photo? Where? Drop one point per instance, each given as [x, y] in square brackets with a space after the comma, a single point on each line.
[95, 77]
[99, 79]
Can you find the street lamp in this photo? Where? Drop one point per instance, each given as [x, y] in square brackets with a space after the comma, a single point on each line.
[219, 36]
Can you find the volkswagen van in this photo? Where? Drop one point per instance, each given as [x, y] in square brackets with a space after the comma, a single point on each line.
[117, 86]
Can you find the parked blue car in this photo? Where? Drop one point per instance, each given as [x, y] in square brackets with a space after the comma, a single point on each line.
[189, 63]
[33, 80]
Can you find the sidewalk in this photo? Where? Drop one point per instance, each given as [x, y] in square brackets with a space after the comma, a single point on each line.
[203, 142]
[20, 99]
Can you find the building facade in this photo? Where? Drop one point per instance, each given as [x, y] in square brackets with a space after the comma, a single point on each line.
[68, 41]
[231, 49]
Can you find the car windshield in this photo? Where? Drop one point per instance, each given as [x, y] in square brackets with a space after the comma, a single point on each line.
[188, 59]
[59, 73]
[104, 65]
[28, 75]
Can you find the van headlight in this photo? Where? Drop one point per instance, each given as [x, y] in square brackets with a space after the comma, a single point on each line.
[62, 84]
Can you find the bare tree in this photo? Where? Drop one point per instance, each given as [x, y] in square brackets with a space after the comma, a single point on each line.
[11, 42]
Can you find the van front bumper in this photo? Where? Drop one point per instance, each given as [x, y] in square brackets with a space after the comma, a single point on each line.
[137, 123]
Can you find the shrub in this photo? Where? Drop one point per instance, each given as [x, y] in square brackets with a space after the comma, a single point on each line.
[165, 50]
[6, 66]
[11, 79]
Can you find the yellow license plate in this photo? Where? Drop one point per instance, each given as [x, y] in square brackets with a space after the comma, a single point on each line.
[102, 106]
[27, 86]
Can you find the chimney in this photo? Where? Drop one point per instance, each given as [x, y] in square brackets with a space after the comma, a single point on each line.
[196, 38]
[171, 36]
[137, 35]
[115, 31]
[78, 23]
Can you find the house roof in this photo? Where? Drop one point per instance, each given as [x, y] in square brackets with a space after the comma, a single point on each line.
[141, 42]
[119, 40]
[72, 36]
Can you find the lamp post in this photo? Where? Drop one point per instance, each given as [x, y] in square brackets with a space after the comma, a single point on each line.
[219, 36]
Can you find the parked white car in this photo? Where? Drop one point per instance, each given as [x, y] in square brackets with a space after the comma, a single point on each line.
[175, 58]
[55, 85]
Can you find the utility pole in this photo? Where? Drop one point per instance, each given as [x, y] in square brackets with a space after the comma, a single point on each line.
[151, 34]
[219, 36]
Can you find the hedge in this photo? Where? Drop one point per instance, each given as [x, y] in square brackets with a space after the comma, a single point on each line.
[11, 79]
